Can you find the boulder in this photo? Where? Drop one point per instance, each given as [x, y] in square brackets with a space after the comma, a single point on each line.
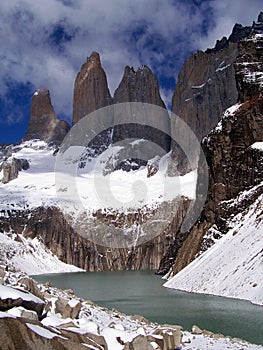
[12, 167]
[140, 319]
[31, 286]
[72, 309]
[98, 339]
[196, 330]
[158, 339]
[60, 305]
[22, 312]
[139, 343]
[11, 297]
[19, 333]
[172, 336]
[68, 308]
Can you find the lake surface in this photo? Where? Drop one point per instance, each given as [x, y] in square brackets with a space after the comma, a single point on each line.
[142, 293]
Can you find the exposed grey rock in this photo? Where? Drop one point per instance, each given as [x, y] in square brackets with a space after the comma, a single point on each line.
[72, 309]
[22, 312]
[60, 305]
[153, 166]
[171, 335]
[138, 86]
[60, 237]
[16, 334]
[138, 343]
[12, 167]
[141, 86]
[31, 286]
[20, 298]
[43, 123]
[233, 165]
[91, 90]
[196, 330]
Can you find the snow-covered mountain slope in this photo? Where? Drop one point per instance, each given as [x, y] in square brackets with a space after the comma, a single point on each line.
[30, 256]
[37, 186]
[233, 266]
[42, 188]
[34, 187]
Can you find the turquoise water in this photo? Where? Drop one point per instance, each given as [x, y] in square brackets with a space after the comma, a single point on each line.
[142, 293]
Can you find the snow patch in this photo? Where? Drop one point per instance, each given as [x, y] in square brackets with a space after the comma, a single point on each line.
[257, 145]
[45, 333]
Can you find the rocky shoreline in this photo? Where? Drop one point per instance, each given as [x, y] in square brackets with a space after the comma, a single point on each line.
[34, 316]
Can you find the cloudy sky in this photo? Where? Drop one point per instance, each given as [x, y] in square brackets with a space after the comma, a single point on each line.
[44, 43]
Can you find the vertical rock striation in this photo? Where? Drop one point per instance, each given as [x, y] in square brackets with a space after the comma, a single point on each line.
[141, 86]
[43, 123]
[50, 225]
[91, 90]
[207, 84]
[138, 86]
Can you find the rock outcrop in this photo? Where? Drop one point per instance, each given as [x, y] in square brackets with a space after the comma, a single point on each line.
[11, 297]
[234, 166]
[44, 124]
[207, 82]
[11, 168]
[207, 86]
[91, 90]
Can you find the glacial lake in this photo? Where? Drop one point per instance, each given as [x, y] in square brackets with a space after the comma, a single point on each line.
[142, 293]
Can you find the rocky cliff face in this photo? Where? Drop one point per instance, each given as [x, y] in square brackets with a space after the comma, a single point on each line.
[206, 87]
[43, 123]
[91, 90]
[49, 225]
[234, 166]
[207, 83]
[140, 86]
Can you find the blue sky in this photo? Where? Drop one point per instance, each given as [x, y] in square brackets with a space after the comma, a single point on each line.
[44, 43]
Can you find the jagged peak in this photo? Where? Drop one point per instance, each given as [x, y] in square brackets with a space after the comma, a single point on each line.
[42, 91]
[131, 70]
[260, 17]
[94, 58]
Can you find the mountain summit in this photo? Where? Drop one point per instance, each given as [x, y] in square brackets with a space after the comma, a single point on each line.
[91, 90]
[44, 124]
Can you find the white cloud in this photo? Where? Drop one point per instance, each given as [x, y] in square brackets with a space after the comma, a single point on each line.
[166, 32]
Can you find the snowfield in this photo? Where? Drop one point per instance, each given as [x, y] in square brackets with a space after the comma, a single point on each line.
[30, 256]
[233, 266]
[40, 185]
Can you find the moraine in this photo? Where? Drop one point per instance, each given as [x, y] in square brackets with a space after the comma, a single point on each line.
[141, 292]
